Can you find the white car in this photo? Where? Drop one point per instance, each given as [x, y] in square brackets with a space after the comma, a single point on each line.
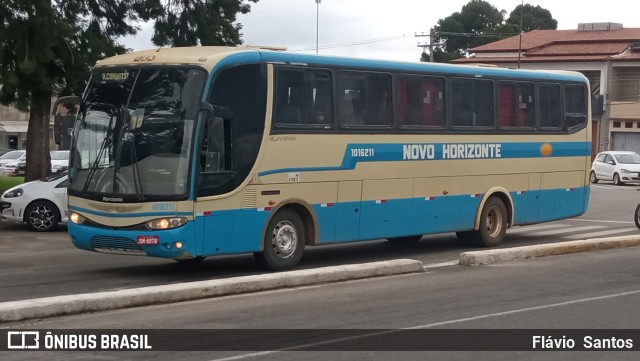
[11, 156]
[42, 204]
[59, 161]
[10, 166]
[617, 166]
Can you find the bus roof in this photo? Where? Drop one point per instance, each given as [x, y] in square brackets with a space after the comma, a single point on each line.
[209, 57]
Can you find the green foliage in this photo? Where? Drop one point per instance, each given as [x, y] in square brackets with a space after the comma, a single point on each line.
[200, 22]
[479, 23]
[8, 182]
[533, 18]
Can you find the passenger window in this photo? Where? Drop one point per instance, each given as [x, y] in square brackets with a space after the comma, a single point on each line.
[516, 105]
[575, 105]
[421, 102]
[472, 103]
[364, 99]
[303, 98]
[549, 106]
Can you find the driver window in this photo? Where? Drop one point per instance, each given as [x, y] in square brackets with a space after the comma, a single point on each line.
[212, 148]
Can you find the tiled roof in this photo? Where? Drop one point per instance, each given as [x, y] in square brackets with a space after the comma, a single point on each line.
[561, 46]
[539, 38]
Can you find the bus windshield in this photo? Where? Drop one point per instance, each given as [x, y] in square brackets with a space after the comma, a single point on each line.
[133, 139]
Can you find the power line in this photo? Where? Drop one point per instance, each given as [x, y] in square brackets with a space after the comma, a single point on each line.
[355, 43]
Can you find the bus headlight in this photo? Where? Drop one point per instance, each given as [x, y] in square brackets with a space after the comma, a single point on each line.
[166, 223]
[76, 218]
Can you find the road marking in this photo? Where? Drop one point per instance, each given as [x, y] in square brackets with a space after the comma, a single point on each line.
[565, 230]
[431, 325]
[599, 221]
[602, 233]
[533, 228]
[441, 264]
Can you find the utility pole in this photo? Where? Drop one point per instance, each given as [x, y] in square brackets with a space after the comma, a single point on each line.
[317, 22]
[429, 45]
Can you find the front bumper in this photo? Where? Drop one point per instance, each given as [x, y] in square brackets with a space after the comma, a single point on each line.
[119, 241]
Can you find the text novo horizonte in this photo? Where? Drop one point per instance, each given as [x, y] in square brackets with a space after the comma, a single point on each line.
[452, 151]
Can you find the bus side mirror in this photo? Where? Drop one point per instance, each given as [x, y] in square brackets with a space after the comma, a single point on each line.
[221, 111]
[70, 99]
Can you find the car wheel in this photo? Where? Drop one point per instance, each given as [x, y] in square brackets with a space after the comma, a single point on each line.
[283, 242]
[637, 216]
[593, 178]
[42, 216]
[616, 179]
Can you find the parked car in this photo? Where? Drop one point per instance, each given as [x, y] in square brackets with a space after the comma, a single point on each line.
[10, 168]
[11, 156]
[617, 166]
[59, 161]
[40, 204]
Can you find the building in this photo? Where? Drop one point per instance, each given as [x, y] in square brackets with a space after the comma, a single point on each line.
[606, 53]
[13, 130]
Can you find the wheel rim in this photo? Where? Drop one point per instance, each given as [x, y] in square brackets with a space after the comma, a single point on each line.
[284, 239]
[494, 222]
[42, 217]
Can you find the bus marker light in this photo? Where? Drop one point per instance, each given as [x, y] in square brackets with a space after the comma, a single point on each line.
[520, 192]
[324, 205]
[178, 245]
[381, 201]
[272, 203]
[264, 209]
[147, 240]
[475, 195]
[429, 198]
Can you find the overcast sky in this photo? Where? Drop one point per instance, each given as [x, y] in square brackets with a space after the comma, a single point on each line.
[384, 29]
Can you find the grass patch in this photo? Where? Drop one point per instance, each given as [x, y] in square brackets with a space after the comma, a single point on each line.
[8, 182]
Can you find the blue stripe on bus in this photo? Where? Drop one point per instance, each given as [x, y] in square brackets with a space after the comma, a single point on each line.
[417, 67]
[394, 152]
[130, 215]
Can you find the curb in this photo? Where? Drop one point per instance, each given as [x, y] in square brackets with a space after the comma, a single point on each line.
[144, 296]
[477, 258]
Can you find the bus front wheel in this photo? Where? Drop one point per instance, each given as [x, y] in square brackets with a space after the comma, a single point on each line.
[493, 225]
[283, 242]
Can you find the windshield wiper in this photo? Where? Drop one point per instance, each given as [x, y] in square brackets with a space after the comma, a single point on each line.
[103, 147]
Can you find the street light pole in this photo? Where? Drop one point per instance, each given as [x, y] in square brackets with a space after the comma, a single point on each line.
[317, 22]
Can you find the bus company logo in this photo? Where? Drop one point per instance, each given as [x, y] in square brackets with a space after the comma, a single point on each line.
[23, 340]
[113, 199]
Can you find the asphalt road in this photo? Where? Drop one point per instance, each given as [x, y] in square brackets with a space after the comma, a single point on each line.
[46, 264]
[594, 290]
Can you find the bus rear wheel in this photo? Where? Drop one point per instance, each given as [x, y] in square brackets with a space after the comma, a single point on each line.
[493, 225]
[283, 242]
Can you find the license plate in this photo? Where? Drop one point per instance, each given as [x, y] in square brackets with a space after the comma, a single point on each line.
[20, 172]
[147, 240]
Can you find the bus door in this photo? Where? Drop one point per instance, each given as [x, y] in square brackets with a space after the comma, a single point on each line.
[348, 211]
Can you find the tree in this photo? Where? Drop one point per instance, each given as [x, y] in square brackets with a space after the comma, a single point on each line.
[47, 48]
[479, 23]
[533, 18]
[200, 22]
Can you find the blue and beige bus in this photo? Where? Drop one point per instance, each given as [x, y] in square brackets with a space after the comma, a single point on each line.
[186, 153]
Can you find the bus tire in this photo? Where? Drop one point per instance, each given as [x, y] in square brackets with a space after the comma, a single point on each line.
[283, 242]
[493, 225]
[405, 240]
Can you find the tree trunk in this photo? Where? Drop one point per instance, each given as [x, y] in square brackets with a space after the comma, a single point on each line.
[38, 156]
